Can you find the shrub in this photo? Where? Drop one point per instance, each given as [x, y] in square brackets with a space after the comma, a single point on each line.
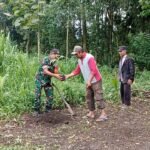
[140, 48]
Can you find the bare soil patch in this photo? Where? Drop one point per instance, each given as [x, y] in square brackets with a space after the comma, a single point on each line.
[124, 130]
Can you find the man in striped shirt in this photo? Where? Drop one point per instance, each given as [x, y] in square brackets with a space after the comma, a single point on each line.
[93, 80]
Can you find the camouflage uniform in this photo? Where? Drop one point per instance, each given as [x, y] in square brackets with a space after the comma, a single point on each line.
[44, 81]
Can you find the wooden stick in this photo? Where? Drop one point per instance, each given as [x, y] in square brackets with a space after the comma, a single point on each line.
[63, 99]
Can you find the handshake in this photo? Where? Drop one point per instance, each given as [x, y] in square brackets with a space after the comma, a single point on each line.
[62, 77]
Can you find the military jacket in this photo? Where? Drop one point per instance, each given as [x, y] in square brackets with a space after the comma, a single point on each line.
[50, 65]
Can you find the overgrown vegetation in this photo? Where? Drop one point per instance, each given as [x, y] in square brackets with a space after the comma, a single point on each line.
[140, 48]
[17, 81]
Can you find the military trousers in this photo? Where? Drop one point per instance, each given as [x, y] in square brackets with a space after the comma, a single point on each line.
[48, 92]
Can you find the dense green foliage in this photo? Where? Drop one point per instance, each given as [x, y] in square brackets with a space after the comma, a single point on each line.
[145, 7]
[140, 47]
[100, 26]
[17, 81]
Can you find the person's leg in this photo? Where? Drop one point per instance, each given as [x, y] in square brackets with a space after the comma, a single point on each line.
[122, 92]
[37, 101]
[49, 95]
[90, 102]
[127, 94]
[98, 95]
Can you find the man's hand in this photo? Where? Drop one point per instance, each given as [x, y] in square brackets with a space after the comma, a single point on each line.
[88, 84]
[129, 82]
[69, 75]
[63, 78]
[59, 76]
[56, 75]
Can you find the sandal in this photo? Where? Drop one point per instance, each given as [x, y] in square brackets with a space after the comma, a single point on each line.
[102, 118]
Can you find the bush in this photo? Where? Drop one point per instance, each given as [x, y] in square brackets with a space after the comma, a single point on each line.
[140, 48]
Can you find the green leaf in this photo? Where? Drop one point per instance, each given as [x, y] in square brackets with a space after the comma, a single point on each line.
[41, 2]
[34, 7]
[41, 14]
[16, 12]
[17, 22]
[25, 27]
[27, 15]
[35, 21]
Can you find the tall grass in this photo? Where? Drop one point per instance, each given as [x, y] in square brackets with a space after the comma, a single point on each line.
[141, 83]
[16, 80]
[2, 43]
[110, 83]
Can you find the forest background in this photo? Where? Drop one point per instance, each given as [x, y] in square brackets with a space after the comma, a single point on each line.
[29, 29]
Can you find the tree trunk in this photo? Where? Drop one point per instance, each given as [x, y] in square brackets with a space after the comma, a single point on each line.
[84, 28]
[67, 39]
[27, 44]
[110, 31]
[38, 44]
[97, 34]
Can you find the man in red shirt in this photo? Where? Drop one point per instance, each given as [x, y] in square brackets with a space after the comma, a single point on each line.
[93, 80]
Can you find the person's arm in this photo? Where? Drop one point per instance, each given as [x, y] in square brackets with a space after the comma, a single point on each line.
[56, 69]
[69, 75]
[73, 73]
[47, 72]
[93, 68]
[132, 71]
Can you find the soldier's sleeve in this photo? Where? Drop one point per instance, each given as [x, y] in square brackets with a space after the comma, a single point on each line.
[55, 65]
[45, 64]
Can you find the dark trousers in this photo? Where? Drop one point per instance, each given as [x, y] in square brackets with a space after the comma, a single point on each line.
[125, 92]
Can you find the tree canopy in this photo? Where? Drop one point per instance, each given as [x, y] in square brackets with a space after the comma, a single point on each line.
[100, 26]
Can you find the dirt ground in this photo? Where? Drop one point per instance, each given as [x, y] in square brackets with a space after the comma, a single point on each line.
[124, 130]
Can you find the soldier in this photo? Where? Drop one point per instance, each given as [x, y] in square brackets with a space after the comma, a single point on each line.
[46, 71]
